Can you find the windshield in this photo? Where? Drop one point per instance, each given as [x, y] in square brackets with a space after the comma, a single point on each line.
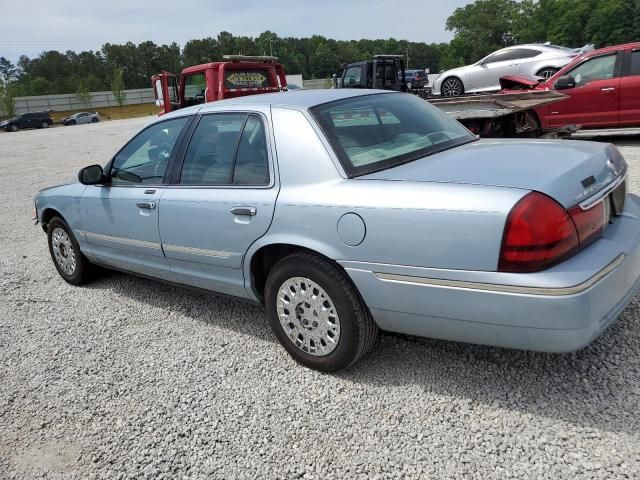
[374, 132]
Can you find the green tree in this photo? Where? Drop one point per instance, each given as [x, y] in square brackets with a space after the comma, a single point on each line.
[118, 85]
[83, 94]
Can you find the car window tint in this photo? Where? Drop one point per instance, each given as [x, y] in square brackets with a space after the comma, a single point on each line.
[144, 159]
[519, 53]
[497, 57]
[352, 76]
[411, 129]
[209, 157]
[599, 68]
[252, 164]
[635, 63]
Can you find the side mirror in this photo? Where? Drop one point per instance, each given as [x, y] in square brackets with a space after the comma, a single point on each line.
[564, 82]
[91, 175]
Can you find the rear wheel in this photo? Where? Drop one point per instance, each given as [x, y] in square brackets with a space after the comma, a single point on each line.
[317, 314]
[44, 125]
[547, 72]
[452, 87]
[65, 252]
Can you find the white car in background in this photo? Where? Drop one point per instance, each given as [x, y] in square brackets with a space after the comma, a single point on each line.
[81, 118]
[542, 60]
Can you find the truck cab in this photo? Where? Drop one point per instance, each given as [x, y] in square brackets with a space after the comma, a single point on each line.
[383, 71]
[237, 76]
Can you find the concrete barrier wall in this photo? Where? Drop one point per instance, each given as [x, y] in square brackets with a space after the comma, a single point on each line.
[71, 101]
[317, 83]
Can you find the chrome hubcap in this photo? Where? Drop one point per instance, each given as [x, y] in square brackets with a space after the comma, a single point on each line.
[63, 251]
[451, 88]
[308, 316]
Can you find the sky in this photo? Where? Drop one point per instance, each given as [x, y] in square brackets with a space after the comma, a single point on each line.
[30, 27]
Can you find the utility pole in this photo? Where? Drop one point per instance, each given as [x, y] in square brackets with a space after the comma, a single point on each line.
[407, 67]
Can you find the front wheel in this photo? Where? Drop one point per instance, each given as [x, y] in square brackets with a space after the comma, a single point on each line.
[14, 127]
[452, 87]
[65, 252]
[44, 125]
[95, 120]
[72, 122]
[317, 314]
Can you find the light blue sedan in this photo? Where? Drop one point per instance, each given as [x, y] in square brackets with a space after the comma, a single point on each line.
[344, 212]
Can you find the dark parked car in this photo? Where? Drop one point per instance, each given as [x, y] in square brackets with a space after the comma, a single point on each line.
[27, 120]
[415, 79]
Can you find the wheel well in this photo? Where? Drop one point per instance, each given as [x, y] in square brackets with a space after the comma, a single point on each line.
[266, 257]
[47, 215]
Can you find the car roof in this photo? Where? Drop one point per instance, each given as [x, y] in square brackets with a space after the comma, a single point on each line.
[296, 99]
[299, 99]
[614, 48]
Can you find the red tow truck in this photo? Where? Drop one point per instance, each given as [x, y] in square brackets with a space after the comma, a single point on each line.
[237, 76]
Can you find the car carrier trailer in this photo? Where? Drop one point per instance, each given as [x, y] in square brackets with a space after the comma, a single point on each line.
[487, 115]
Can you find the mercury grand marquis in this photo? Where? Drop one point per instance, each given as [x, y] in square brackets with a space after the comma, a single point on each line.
[344, 212]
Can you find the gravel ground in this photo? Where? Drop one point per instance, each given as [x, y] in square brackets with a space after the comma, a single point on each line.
[128, 378]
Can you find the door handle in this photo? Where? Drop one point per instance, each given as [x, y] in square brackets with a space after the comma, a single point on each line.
[608, 89]
[248, 211]
[147, 205]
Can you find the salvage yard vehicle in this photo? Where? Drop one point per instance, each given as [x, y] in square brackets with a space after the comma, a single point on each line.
[344, 211]
[602, 89]
[497, 115]
[27, 120]
[238, 76]
[81, 118]
[541, 60]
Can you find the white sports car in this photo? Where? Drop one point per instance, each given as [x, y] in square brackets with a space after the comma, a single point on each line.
[542, 60]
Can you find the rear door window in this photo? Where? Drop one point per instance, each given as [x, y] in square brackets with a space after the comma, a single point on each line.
[227, 149]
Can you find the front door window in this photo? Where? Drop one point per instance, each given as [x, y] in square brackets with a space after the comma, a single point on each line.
[599, 68]
[144, 159]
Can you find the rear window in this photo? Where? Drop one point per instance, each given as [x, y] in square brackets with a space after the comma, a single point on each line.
[374, 132]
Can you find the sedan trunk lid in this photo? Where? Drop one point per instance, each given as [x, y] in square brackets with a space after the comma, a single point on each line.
[568, 171]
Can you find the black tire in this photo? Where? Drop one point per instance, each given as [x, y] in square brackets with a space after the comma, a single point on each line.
[452, 87]
[547, 72]
[14, 127]
[44, 124]
[358, 330]
[71, 122]
[95, 120]
[83, 268]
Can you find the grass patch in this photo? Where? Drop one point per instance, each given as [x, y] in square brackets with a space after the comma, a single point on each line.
[113, 113]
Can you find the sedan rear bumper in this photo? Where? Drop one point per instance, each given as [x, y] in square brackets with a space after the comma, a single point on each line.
[562, 309]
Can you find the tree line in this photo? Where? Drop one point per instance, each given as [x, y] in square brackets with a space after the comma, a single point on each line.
[479, 28]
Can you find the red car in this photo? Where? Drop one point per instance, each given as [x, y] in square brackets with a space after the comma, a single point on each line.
[603, 87]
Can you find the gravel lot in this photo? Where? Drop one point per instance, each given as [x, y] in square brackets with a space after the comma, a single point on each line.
[128, 378]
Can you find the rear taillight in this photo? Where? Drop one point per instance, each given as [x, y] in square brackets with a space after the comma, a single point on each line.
[589, 223]
[540, 233]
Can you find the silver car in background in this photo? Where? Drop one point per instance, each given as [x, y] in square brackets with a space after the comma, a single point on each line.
[80, 118]
[542, 60]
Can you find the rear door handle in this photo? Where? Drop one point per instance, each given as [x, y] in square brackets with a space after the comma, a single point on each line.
[608, 89]
[147, 205]
[248, 211]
